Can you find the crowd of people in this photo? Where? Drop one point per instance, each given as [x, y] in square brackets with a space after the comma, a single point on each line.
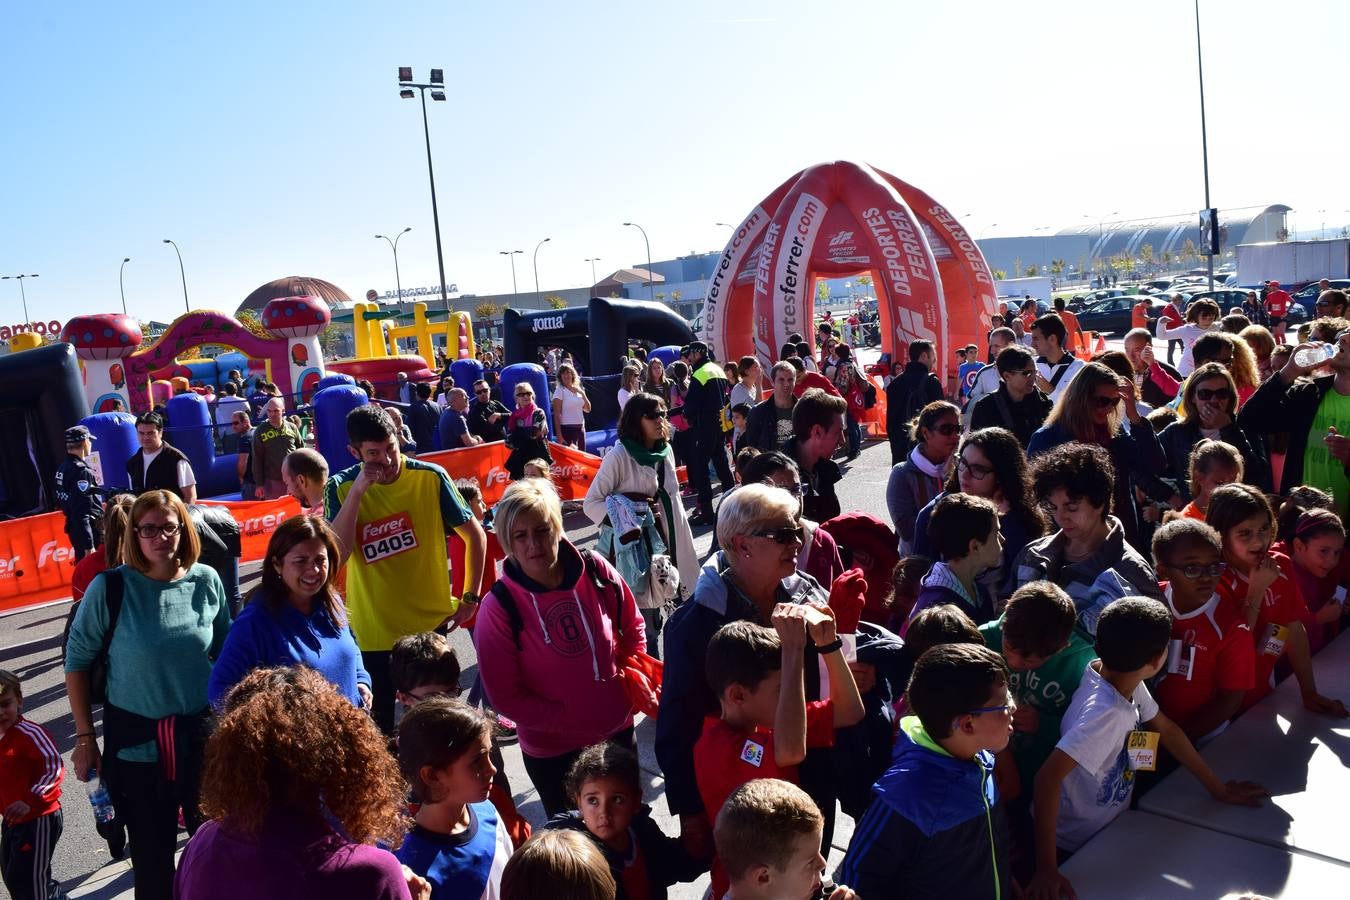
[1076, 549]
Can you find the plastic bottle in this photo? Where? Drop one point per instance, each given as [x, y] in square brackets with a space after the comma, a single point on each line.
[99, 799]
[1311, 357]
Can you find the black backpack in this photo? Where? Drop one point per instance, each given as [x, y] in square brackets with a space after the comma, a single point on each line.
[98, 669]
[591, 571]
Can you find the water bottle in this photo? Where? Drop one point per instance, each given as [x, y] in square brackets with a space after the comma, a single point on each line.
[99, 799]
[1311, 357]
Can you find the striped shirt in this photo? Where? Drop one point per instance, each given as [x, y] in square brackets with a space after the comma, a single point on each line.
[30, 771]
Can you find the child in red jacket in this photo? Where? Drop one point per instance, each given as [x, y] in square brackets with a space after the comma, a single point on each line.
[30, 798]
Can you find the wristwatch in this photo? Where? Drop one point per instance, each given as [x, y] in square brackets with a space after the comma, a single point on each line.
[469, 597]
[827, 649]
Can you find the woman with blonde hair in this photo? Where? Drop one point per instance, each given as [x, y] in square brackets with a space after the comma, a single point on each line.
[1208, 409]
[171, 617]
[560, 865]
[628, 385]
[299, 787]
[570, 405]
[1090, 412]
[1262, 344]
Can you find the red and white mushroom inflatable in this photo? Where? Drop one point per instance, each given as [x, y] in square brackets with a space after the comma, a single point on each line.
[299, 320]
[101, 342]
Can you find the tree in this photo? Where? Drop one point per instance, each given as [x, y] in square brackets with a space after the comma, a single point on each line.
[329, 338]
[676, 297]
[1167, 258]
[555, 302]
[249, 319]
[864, 280]
[1146, 257]
[660, 296]
[822, 292]
[486, 310]
[1057, 267]
[1032, 271]
[1017, 267]
[1000, 275]
[1189, 251]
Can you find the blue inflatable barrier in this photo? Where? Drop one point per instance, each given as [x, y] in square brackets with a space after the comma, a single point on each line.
[464, 372]
[114, 435]
[331, 406]
[190, 430]
[668, 354]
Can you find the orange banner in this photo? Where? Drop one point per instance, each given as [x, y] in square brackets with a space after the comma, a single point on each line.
[573, 471]
[36, 561]
[257, 520]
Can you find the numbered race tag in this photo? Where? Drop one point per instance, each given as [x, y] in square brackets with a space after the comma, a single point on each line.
[1339, 596]
[753, 753]
[1143, 749]
[1180, 658]
[387, 537]
[1276, 636]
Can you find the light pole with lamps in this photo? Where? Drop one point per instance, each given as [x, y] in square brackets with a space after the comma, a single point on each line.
[536, 267]
[726, 225]
[120, 285]
[593, 260]
[22, 294]
[511, 255]
[182, 273]
[1204, 139]
[393, 245]
[649, 255]
[437, 88]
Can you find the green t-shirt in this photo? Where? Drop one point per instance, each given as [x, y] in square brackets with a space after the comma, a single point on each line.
[1049, 689]
[1320, 468]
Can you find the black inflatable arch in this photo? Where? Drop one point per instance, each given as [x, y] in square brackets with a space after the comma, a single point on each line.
[598, 333]
[41, 395]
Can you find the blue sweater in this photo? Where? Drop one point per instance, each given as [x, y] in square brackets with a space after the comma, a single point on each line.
[287, 637]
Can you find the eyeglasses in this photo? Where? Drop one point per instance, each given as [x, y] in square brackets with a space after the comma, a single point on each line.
[1025, 373]
[655, 416]
[979, 473]
[1213, 570]
[1008, 707]
[150, 532]
[1213, 394]
[787, 534]
[947, 429]
[1105, 402]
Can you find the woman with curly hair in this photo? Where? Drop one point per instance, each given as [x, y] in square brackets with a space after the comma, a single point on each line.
[991, 464]
[298, 786]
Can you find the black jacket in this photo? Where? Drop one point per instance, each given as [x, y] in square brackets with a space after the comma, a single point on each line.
[666, 859]
[163, 474]
[423, 419]
[819, 501]
[906, 396]
[1155, 396]
[1022, 418]
[706, 398]
[1277, 407]
[1180, 438]
[761, 426]
[478, 422]
[78, 494]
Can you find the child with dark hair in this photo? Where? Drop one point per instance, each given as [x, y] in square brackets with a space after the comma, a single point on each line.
[30, 797]
[1212, 465]
[935, 828]
[1315, 547]
[1039, 638]
[906, 581]
[457, 842]
[1211, 664]
[766, 725]
[1260, 583]
[605, 785]
[740, 415]
[964, 532]
[1110, 731]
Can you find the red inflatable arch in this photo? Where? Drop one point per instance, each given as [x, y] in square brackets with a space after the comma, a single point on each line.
[840, 220]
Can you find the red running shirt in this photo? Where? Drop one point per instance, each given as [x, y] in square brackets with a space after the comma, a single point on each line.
[1281, 606]
[1211, 652]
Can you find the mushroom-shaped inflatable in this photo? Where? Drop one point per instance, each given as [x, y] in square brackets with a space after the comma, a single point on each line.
[102, 342]
[299, 320]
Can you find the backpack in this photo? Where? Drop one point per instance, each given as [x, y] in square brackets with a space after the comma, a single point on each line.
[98, 669]
[590, 570]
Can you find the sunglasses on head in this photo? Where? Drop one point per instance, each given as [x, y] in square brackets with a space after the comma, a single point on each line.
[1213, 394]
[787, 534]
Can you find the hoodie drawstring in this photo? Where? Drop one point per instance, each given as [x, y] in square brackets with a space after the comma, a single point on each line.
[590, 639]
[538, 615]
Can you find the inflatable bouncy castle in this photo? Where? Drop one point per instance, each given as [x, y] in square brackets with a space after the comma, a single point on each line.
[378, 358]
[839, 220]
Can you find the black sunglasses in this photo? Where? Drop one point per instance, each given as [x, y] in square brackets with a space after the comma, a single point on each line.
[1105, 402]
[1213, 394]
[654, 416]
[788, 534]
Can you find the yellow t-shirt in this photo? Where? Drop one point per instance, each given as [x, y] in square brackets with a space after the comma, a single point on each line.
[397, 576]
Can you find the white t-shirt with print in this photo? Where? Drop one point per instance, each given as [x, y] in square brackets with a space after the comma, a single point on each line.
[572, 413]
[1094, 731]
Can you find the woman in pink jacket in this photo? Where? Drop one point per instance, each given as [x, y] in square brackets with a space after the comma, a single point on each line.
[551, 638]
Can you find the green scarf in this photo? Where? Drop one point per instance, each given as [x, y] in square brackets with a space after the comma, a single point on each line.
[657, 460]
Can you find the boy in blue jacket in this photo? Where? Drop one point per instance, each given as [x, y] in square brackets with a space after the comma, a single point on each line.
[934, 828]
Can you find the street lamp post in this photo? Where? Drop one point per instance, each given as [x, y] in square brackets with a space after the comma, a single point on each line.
[511, 255]
[536, 267]
[1204, 139]
[182, 273]
[649, 255]
[22, 294]
[393, 245]
[593, 260]
[437, 88]
[120, 286]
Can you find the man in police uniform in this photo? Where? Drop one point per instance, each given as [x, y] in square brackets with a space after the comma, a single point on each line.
[78, 493]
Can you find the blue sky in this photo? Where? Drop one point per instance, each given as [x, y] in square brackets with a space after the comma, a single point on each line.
[269, 139]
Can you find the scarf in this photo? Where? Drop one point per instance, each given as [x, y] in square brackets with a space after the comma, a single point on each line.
[924, 465]
[656, 458]
[522, 416]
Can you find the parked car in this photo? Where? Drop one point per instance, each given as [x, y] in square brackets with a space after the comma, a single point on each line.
[1227, 298]
[1307, 297]
[1113, 316]
[1083, 301]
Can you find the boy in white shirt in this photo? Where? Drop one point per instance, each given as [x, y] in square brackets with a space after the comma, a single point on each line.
[1112, 729]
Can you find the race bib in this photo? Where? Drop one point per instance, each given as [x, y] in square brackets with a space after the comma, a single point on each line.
[1180, 659]
[1275, 639]
[387, 537]
[1143, 750]
[753, 753]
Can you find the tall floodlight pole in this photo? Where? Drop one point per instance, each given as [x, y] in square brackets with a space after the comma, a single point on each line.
[393, 245]
[1204, 139]
[592, 260]
[437, 88]
[536, 267]
[649, 256]
[511, 255]
[182, 273]
[120, 286]
[22, 295]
